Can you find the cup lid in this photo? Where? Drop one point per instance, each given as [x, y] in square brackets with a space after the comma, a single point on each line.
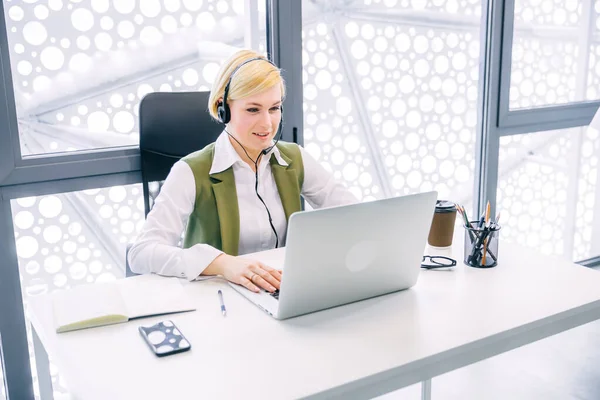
[444, 206]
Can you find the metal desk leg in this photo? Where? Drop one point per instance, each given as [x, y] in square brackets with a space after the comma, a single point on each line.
[426, 390]
[43, 368]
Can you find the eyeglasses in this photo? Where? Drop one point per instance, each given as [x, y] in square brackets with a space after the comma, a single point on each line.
[431, 262]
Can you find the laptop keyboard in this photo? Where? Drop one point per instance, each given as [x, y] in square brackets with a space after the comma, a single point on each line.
[275, 294]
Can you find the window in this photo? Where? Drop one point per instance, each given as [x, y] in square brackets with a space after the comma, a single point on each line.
[80, 69]
[390, 92]
[554, 53]
[548, 191]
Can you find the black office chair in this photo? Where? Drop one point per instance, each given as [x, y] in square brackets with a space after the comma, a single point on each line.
[172, 125]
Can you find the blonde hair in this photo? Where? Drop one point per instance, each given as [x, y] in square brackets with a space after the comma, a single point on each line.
[252, 78]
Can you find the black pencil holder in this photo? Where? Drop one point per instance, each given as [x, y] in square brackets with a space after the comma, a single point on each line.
[481, 245]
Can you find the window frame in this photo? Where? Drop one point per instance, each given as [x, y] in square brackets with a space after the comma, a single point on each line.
[535, 119]
[284, 44]
[15, 169]
[498, 120]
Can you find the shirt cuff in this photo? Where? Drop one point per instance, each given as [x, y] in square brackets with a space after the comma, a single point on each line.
[197, 258]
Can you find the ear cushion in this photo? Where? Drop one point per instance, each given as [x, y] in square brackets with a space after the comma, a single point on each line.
[223, 113]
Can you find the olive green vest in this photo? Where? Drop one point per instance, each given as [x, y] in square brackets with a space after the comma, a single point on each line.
[216, 219]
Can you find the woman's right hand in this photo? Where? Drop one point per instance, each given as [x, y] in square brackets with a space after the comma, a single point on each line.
[249, 273]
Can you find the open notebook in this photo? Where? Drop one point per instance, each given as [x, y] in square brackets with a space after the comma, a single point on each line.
[87, 306]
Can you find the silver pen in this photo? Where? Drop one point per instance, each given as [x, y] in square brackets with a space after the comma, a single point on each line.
[223, 310]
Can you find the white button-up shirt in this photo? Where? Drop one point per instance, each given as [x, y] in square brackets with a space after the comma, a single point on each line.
[156, 249]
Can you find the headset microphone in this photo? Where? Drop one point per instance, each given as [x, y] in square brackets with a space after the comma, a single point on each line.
[277, 135]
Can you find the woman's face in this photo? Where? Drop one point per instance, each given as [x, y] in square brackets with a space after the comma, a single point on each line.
[255, 119]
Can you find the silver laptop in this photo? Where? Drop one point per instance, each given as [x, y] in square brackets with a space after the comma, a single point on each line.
[340, 255]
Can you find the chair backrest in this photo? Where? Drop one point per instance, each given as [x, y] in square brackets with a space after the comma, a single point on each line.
[172, 125]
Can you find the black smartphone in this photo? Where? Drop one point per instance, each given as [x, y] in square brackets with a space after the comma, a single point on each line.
[164, 338]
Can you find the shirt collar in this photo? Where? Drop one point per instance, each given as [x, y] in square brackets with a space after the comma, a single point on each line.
[225, 155]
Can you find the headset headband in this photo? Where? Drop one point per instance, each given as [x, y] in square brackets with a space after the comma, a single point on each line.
[226, 92]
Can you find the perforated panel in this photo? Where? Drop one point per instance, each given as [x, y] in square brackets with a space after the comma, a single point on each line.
[390, 98]
[554, 54]
[547, 191]
[80, 68]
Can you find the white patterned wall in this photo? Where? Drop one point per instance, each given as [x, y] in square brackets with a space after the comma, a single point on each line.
[535, 180]
[553, 83]
[390, 98]
[559, 13]
[550, 36]
[444, 7]
[72, 238]
[593, 87]
[332, 131]
[80, 68]
[532, 196]
[587, 218]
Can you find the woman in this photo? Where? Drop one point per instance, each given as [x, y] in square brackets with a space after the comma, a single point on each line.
[235, 195]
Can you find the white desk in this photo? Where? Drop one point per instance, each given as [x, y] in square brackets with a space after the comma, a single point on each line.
[448, 320]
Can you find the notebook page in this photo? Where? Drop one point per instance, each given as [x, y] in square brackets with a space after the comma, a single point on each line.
[147, 295]
[86, 306]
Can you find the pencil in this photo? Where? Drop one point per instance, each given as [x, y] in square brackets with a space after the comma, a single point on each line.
[463, 212]
[487, 221]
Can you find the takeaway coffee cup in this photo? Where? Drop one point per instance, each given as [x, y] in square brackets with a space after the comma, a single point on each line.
[442, 226]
